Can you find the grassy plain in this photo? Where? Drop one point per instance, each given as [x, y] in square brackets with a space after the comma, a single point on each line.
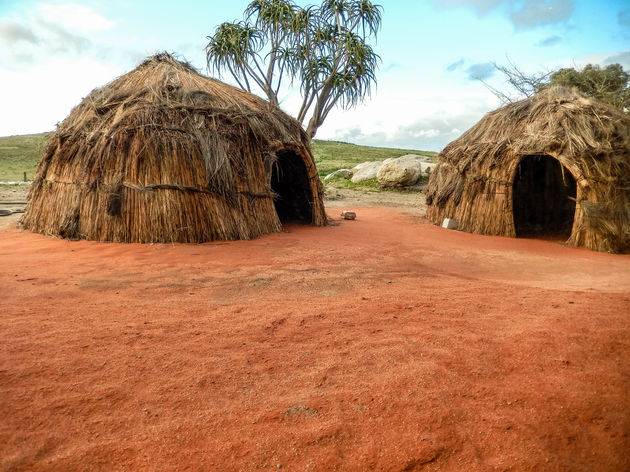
[19, 154]
[334, 155]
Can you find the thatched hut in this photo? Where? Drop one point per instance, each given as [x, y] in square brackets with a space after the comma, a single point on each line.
[553, 165]
[164, 154]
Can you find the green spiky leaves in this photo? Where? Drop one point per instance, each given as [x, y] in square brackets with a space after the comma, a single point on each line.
[325, 50]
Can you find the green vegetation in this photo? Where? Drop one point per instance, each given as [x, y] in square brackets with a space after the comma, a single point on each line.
[333, 155]
[610, 84]
[324, 49]
[19, 154]
[369, 184]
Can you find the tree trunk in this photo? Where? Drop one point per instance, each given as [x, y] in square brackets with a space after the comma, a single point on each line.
[316, 119]
[311, 129]
[271, 96]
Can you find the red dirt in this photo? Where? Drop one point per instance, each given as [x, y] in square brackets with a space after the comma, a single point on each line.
[383, 343]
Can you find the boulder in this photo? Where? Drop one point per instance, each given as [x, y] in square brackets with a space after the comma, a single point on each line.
[365, 171]
[418, 157]
[400, 171]
[427, 167]
[348, 215]
[339, 174]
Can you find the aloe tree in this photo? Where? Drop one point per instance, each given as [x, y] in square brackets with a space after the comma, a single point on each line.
[324, 50]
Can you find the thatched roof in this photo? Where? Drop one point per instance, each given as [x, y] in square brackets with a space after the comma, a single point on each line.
[473, 182]
[166, 154]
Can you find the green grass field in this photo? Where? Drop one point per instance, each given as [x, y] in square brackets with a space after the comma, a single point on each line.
[333, 155]
[19, 154]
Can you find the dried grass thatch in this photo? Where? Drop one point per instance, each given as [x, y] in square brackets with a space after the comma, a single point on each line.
[474, 180]
[163, 154]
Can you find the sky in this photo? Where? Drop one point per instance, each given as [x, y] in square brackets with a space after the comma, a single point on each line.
[54, 52]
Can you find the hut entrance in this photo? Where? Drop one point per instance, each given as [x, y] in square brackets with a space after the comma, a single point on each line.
[292, 189]
[543, 198]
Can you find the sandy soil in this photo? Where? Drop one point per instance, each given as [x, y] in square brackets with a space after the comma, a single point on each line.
[12, 198]
[384, 343]
[410, 201]
[13, 193]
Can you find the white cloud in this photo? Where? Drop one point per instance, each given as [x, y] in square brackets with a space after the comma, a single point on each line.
[453, 66]
[524, 14]
[50, 30]
[534, 13]
[480, 6]
[550, 41]
[411, 118]
[622, 58]
[481, 71]
[48, 92]
[603, 59]
[73, 17]
[52, 55]
[12, 32]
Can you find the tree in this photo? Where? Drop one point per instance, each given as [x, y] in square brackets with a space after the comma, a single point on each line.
[323, 49]
[610, 85]
[523, 85]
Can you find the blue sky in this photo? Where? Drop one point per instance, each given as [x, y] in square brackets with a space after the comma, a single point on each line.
[54, 52]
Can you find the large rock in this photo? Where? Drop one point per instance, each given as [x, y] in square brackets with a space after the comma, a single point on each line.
[418, 157]
[427, 167]
[400, 171]
[339, 174]
[365, 171]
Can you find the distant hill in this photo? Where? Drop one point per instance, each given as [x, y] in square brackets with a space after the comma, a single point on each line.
[19, 154]
[333, 155]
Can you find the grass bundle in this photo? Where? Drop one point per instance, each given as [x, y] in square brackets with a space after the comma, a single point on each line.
[164, 154]
[474, 181]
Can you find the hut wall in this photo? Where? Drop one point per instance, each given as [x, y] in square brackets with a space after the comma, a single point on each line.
[480, 205]
[157, 187]
[164, 154]
[473, 181]
[602, 217]
[481, 200]
[153, 207]
[76, 212]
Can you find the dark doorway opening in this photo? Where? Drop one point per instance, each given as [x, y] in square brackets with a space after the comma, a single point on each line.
[543, 198]
[292, 189]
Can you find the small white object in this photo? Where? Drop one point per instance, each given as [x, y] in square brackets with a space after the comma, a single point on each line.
[449, 223]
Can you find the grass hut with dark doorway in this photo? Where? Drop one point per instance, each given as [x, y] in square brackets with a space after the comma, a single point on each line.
[164, 154]
[553, 165]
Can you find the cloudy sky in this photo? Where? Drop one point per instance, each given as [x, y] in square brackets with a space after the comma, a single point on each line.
[54, 52]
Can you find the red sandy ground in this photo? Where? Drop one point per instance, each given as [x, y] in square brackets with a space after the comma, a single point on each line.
[383, 343]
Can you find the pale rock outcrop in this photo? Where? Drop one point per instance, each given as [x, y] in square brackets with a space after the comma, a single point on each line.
[427, 167]
[341, 173]
[365, 170]
[400, 171]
